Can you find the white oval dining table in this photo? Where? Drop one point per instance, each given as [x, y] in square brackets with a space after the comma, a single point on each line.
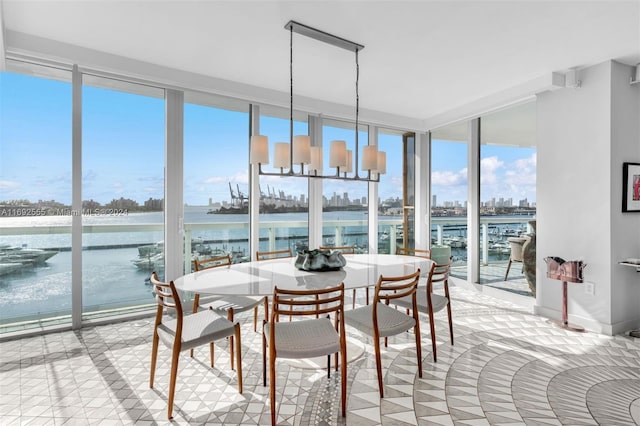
[258, 278]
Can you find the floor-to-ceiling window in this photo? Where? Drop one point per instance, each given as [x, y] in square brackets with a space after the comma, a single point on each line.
[344, 203]
[123, 136]
[216, 188]
[449, 195]
[507, 194]
[284, 201]
[35, 196]
[390, 192]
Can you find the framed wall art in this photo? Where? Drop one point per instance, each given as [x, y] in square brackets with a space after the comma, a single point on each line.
[631, 187]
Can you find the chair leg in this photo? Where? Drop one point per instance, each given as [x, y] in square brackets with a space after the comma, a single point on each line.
[354, 298]
[272, 384]
[343, 378]
[329, 366]
[508, 267]
[376, 346]
[432, 330]
[211, 353]
[175, 357]
[264, 356]
[231, 348]
[450, 321]
[238, 356]
[154, 357]
[255, 319]
[416, 330]
[266, 312]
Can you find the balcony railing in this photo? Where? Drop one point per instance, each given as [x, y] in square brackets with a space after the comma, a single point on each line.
[125, 240]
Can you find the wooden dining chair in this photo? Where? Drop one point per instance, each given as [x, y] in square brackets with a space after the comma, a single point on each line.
[430, 302]
[231, 304]
[347, 250]
[186, 332]
[408, 251]
[276, 254]
[379, 320]
[307, 338]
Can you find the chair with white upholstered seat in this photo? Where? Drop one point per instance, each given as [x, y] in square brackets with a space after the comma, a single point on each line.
[186, 332]
[430, 302]
[228, 305]
[379, 320]
[305, 338]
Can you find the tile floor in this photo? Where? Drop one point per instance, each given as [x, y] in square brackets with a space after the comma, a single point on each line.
[506, 367]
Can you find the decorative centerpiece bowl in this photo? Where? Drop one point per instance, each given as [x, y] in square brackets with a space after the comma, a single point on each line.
[320, 260]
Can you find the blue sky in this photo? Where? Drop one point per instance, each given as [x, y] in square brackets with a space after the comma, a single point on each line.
[123, 151]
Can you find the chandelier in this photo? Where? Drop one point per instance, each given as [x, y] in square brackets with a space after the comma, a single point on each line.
[298, 151]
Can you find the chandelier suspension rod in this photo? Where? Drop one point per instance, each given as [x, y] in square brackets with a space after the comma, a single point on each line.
[291, 103]
[357, 112]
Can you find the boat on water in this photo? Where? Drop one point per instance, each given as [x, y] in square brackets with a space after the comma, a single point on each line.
[154, 261]
[500, 247]
[454, 242]
[24, 256]
[8, 268]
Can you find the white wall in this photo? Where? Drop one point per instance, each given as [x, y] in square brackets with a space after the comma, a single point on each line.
[625, 227]
[583, 136]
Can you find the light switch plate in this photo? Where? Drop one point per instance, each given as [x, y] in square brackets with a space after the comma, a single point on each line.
[590, 288]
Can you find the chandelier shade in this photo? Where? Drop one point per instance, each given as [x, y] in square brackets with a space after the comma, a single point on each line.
[281, 157]
[338, 154]
[301, 149]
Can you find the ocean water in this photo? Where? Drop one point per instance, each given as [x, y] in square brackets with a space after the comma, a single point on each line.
[111, 280]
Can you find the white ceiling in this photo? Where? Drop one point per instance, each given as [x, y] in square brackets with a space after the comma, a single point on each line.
[421, 58]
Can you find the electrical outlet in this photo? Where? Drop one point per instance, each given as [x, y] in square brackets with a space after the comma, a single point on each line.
[589, 288]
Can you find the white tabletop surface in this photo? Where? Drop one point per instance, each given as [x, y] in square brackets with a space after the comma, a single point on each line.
[259, 278]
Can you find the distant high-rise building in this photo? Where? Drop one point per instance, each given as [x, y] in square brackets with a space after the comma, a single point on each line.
[434, 202]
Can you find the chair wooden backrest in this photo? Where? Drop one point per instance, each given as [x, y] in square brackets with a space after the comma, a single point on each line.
[297, 303]
[167, 297]
[439, 273]
[407, 251]
[264, 255]
[341, 249]
[312, 303]
[212, 262]
[389, 288]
